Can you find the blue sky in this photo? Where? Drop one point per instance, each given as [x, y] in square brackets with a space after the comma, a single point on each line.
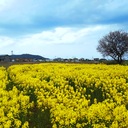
[59, 28]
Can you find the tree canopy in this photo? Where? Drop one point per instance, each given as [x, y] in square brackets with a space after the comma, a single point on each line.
[115, 45]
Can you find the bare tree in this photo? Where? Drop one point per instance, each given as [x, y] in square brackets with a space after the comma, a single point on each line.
[115, 45]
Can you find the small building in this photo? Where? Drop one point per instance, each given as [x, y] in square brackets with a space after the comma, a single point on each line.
[5, 58]
[102, 59]
[96, 59]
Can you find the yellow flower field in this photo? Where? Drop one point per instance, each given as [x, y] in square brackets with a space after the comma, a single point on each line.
[64, 96]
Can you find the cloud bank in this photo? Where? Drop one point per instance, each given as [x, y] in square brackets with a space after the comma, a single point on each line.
[59, 28]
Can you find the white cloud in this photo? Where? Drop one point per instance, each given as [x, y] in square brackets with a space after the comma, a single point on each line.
[61, 41]
[6, 41]
[5, 4]
[58, 27]
[55, 36]
[62, 35]
[20, 17]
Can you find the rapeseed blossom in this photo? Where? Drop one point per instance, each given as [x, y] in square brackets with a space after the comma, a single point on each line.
[64, 95]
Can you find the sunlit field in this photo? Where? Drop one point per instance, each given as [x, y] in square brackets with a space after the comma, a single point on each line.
[53, 95]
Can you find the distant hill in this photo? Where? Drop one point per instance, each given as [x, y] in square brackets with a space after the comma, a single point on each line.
[28, 56]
